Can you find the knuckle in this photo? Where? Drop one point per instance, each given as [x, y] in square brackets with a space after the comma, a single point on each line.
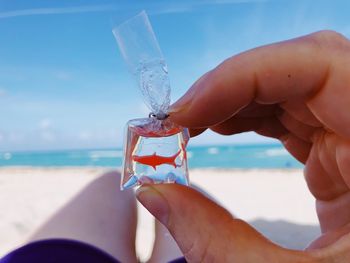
[330, 40]
[199, 251]
[329, 34]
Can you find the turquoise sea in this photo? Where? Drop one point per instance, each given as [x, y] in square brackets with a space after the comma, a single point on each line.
[220, 156]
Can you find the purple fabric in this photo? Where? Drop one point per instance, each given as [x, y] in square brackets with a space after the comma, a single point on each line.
[58, 251]
[179, 260]
[61, 251]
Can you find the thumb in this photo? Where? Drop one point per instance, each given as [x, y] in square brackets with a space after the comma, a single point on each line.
[204, 231]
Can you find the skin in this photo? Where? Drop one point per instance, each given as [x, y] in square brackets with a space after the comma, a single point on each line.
[297, 91]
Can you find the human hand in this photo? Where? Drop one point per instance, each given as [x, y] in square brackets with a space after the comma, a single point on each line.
[296, 91]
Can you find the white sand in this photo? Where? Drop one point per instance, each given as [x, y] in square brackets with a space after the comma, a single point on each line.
[276, 202]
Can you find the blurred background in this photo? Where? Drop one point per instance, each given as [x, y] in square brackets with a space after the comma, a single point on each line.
[65, 87]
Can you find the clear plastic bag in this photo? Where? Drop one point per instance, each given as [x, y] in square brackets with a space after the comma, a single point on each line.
[154, 147]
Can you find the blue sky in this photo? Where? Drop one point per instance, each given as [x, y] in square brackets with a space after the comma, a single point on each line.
[63, 83]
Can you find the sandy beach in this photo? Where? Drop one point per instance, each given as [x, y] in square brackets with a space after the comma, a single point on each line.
[276, 202]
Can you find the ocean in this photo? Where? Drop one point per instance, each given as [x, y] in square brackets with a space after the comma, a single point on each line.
[220, 156]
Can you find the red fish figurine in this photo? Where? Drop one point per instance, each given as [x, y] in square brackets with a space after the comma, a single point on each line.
[155, 160]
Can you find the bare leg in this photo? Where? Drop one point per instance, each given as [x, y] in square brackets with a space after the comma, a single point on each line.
[165, 248]
[100, 215]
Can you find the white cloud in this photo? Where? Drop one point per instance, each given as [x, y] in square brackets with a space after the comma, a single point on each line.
[96, 138]
[48, 136]
[172, 10]
[85, 136]
[159, 8]
[15, 137]
[57, 10]
[45, 124]
[188, 6]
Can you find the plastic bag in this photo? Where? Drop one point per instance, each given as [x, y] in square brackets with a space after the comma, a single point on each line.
[154, 147]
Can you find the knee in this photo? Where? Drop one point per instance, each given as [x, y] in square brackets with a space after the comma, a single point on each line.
[110, 177]
[110, 182]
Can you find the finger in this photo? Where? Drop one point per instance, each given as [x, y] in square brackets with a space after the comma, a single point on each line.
[204, 231]
[330, 239]
[268, 126]
[254, 110]
[299, 129]
[300, 111]
[343, 160]
[319, 181]
[195, 132]
[267, 75]
[185, 219]
[296, 69]
[300, 149]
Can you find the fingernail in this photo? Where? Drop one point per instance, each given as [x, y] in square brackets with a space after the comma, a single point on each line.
[185, 101]
[154, 202]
